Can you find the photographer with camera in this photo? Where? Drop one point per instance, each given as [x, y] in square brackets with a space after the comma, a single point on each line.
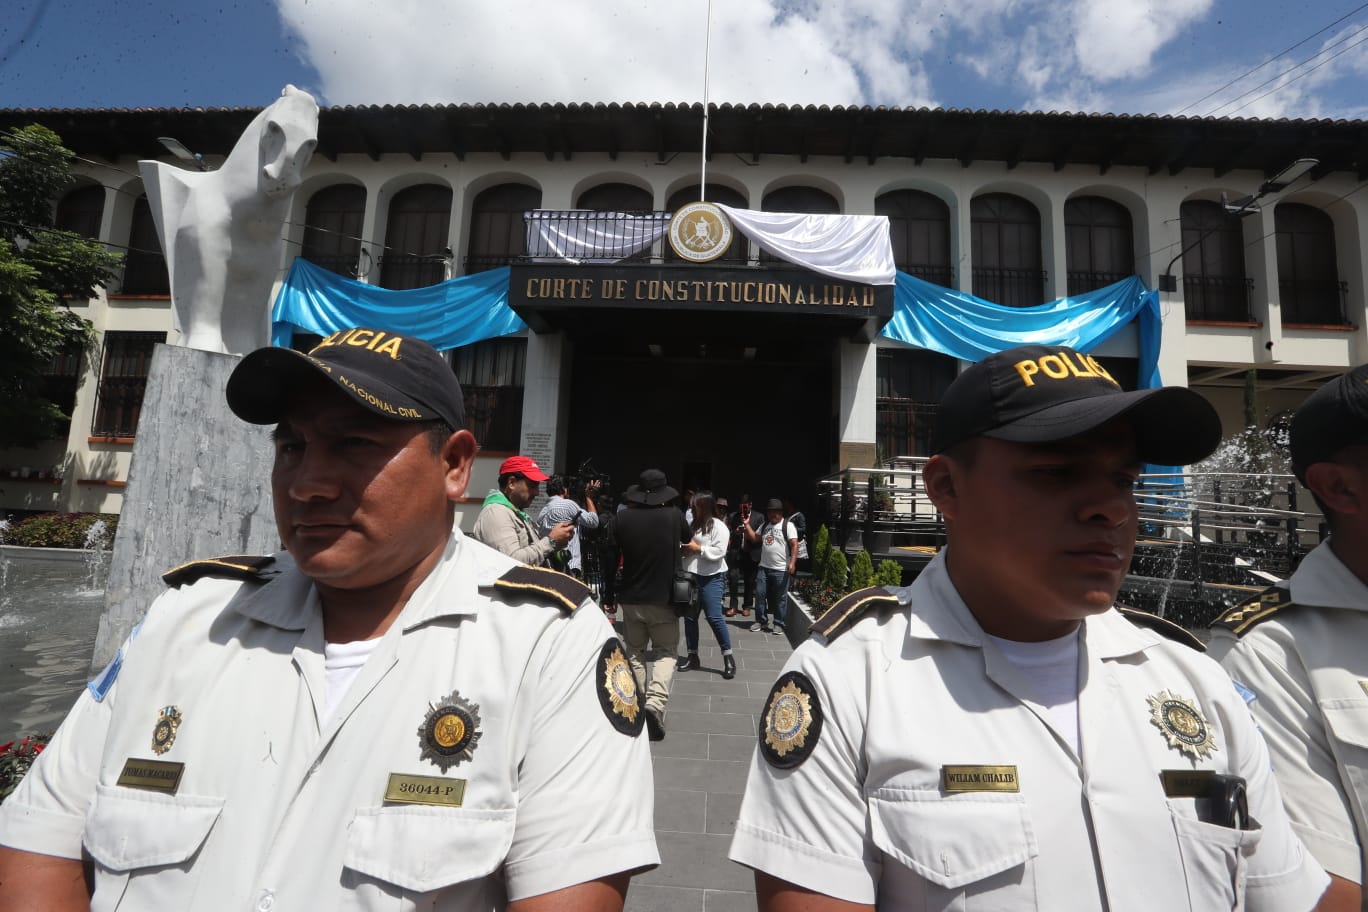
[561, 508]
[503, 523]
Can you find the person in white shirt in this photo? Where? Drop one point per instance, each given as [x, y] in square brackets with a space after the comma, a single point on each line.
[1299, 650]
[998, 735]
[561, 508]
[387, 715]
[778, 540]
[705, 556]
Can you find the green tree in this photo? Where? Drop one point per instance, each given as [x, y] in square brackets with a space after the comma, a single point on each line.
[889, 573]
[862, 571]
[821, 550]
[41, 268]
[834, 575]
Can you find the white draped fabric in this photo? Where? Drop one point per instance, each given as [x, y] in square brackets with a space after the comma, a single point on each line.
[851, 247]
[586, 236]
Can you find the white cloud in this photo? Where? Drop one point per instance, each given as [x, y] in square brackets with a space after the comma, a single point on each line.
[1116, 39]
[569, 51]
[1138, 56]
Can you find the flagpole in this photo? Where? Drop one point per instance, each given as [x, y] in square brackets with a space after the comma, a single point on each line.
[703, 165]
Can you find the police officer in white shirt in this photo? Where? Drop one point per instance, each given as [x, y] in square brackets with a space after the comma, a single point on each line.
[998, 735]
[389, 716]
[1299, 651]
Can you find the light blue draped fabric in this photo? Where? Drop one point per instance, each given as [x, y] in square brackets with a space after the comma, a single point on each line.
[450, 314]
[963, 326]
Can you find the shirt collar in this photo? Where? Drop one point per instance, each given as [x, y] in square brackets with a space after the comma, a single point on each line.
[450, 590]
[1324, 581]
[939, 613]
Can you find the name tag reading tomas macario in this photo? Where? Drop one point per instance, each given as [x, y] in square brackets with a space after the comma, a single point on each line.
[152, 775]
[425, 790]
[979, 779]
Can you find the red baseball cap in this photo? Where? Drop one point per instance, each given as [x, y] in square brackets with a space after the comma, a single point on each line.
[524, 466]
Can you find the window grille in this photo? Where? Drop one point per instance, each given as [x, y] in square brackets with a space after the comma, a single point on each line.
[124, 365]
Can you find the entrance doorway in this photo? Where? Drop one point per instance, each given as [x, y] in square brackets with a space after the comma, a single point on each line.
[732, 412]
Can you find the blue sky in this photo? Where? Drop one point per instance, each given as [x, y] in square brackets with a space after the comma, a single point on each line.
[1116, 56]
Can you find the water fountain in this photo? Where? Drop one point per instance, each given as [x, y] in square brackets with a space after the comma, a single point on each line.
[50, 605]
[96, 555]
[4, 569]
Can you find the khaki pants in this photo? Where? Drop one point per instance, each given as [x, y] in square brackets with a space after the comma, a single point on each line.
[657, 625]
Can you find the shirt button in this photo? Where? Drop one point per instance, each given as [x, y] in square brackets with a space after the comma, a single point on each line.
[267, 901]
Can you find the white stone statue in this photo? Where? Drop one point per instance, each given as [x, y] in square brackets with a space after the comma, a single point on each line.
[223, 231]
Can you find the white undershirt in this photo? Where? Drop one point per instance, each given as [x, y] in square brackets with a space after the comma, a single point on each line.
[342, 662]
[1050, 670]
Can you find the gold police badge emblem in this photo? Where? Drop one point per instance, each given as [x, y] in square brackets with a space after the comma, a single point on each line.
[164, 732]
[792, 722]
[617, 690]
[700, 232]
[450, 731]
[1185, 728]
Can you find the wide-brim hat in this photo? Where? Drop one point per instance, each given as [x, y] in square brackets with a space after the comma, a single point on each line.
[652, 489]
[1046, 393]
[396, 377]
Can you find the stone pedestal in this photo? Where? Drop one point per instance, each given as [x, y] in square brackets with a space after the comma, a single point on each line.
[199, 486]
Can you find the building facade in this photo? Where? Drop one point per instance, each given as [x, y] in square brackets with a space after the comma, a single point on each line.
[1019, 209]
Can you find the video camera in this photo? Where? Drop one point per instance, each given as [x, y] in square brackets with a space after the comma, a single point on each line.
[584, 476]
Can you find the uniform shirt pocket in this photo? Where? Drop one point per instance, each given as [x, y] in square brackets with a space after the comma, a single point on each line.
[973, 849]
[128, 829]
[1214, 861]
[1347, 721]
[421, 849]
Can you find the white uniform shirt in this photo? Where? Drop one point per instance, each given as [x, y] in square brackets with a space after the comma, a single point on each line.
[1307, 670]
[280, 809]
[865, 817]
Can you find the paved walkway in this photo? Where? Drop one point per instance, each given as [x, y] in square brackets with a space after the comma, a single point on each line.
[700, 772]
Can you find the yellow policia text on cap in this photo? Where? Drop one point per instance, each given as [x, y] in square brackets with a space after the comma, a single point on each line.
[370, 339]
[1061, 366]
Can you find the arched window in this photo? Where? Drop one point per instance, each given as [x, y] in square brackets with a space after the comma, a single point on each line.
[919, 226]
[797, 199]
[1215, 286]
[1308, 276]
[800, 199]
[80, 211]
[1006, 250]
[498, 234]
[416, 238]
[910, 385]
[615, 198]
[738, 251]
[1100, 246]
[332, 228]
[144, 266]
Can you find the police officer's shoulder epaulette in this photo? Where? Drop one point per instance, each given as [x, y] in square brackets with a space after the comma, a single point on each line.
[246, 567]
[545, 585]
[1161, 626]
[841, 616]
[1253, 611]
